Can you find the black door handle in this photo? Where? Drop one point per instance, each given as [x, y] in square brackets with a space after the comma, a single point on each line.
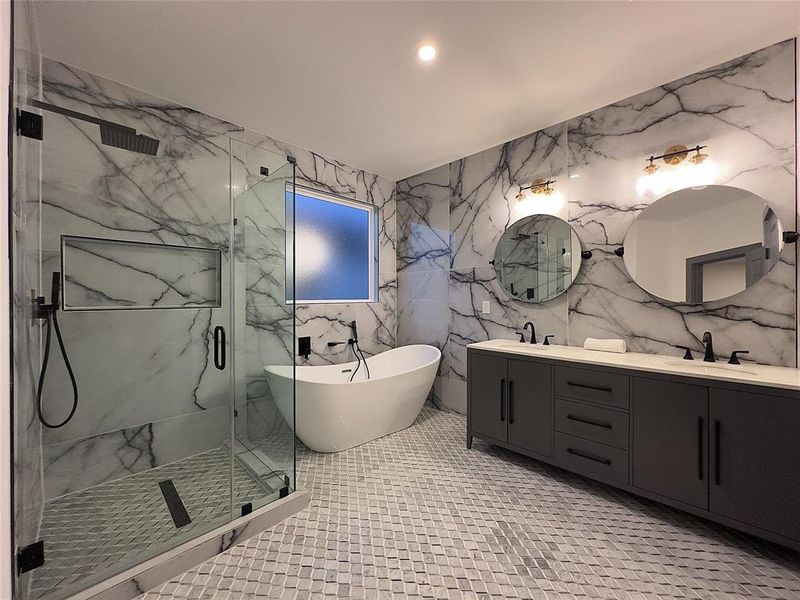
[511, 402]
[219, 347]
[590, 387]
[588, 456]
[502, 393]
[700, 427]
[589, 421]
[717, 430]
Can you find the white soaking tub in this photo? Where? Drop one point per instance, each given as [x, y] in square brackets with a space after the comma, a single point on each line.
[334, 414]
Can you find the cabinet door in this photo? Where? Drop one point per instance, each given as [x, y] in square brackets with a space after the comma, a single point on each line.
[755, 460]
[530, 406]
[670, 440]
[487, 396]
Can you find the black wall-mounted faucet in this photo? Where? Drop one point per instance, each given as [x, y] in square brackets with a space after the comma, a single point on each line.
[709, 344]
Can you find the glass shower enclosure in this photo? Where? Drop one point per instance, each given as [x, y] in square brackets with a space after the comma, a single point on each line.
[150, 299]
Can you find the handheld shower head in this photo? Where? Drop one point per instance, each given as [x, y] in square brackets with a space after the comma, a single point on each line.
[353, 331]
[55, 290]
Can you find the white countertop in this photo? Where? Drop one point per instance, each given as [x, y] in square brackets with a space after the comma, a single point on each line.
[776, 377]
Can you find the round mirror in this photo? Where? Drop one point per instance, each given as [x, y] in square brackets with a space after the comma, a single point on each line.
[703, 243]
[537, 258]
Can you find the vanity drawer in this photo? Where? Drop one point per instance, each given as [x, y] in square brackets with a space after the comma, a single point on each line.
[592, 422]
[591, 458]
[592, 386]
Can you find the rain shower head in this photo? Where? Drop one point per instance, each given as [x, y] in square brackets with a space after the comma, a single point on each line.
[128, 139]
[111, 134]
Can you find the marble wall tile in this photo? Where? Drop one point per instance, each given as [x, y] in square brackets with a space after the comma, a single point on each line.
[483, 188]
[743, 110]
[81, 463]
[423, 221]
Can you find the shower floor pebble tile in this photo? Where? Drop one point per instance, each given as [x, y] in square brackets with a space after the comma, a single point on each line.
[417, 515]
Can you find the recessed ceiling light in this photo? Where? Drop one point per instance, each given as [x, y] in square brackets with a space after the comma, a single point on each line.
[426, 52]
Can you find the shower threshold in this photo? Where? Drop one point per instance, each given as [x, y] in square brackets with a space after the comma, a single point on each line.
[95, 533]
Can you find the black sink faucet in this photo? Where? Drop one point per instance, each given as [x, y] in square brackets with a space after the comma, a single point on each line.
[533, 331]
[709, 344]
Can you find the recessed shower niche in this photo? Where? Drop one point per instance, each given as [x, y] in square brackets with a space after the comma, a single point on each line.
[109, 274]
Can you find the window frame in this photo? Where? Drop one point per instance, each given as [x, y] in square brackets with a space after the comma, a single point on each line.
[373, 266]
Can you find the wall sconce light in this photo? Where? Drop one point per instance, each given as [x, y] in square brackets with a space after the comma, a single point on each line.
[700, 170]
[543, 199]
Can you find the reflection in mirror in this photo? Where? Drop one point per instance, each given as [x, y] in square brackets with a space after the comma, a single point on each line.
[537, 258]
[702, 244]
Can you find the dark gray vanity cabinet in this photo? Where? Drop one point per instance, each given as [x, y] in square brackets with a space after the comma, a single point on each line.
[755, 460]
[487, 392]
[670, 440]
[530, 406]
[726, 451]
[511, 401]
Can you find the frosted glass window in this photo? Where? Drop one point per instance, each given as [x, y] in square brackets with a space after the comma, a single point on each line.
[334, 248]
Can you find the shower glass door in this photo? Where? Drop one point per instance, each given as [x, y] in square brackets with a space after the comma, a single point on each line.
[263, 337]
[173, 305]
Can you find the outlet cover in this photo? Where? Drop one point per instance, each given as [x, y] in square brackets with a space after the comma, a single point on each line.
[485, 307]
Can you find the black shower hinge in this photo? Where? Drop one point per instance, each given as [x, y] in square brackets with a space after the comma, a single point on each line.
[30, 125]
[284, 491]
[790, 237]
[30, 557]
[620, 251]
[264, 171]
[586, 254]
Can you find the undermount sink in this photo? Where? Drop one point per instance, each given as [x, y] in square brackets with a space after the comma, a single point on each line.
[704, 367]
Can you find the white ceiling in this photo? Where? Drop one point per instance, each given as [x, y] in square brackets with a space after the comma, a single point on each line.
[341, 78]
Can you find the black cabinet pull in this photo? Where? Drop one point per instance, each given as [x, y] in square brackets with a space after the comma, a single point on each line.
[219, 347]
[717, 429]
[511, 402]
[590, 387]
[589, 421]
[588, 456]
[502, 393]
[700, 424]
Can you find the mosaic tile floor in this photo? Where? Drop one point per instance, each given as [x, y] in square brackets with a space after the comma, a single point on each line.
[100, 528]
[416, 515]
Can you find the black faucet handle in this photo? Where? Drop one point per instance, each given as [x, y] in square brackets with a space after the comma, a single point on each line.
[688, 354]
[547, 339]
[734, 360]
[521, 335]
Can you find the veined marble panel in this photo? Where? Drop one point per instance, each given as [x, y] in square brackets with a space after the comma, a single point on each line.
[423, 224]
[81, 463]
[484, 188]
[743, 110]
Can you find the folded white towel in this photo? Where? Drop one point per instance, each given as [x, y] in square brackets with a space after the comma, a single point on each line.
[605, 345]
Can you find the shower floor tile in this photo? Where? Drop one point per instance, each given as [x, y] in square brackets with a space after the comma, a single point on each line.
[417, 515]
[107, 526]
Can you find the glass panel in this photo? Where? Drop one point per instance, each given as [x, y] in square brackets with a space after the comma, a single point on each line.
[338, 251]
[263, 340]
[25, 213]
[147, 437]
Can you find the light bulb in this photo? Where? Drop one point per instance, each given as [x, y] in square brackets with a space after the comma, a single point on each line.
[426, 52]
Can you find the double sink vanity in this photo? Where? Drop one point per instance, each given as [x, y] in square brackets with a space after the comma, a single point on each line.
[717, 440]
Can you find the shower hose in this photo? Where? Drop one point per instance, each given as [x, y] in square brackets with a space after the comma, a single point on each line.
[52, 323]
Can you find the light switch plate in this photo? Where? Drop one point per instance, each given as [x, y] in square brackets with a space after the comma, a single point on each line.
[485, 307]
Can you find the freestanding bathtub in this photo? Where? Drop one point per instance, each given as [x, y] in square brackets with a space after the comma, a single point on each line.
[333, 414]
